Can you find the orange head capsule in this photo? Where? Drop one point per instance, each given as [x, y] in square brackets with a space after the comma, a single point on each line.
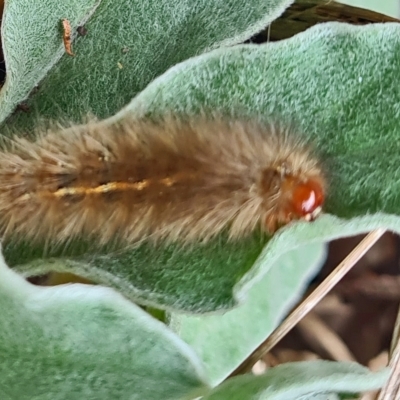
[297, 197]
[307, 199]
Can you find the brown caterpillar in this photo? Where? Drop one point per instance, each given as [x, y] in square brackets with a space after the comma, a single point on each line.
[173, 180]
[67, 36]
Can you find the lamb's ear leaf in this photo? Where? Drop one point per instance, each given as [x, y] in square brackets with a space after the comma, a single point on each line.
[32, 43]
[127, 44]
[81, 341]
[222, 342]
[292, 381]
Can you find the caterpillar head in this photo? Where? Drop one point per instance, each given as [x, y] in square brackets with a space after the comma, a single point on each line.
[291, 196]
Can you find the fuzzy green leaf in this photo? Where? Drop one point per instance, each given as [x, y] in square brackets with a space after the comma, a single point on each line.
[224, 341]
[292, 381]
[86, 342]
[128, 44]
[197, 279]
[319, 396]
[32, 43]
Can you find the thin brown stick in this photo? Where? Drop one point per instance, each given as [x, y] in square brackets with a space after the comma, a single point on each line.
[391, 390]
[396, 335]
[310, 302]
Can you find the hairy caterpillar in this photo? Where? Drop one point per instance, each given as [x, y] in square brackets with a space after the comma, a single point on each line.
[173, 180]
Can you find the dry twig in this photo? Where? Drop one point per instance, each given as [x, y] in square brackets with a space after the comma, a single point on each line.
[309, 303]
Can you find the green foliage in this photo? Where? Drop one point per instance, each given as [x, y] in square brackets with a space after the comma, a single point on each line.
[335, 82]
[87, 342]
[32, 43]
[301, 380]
[128, 44]
[221, 340]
